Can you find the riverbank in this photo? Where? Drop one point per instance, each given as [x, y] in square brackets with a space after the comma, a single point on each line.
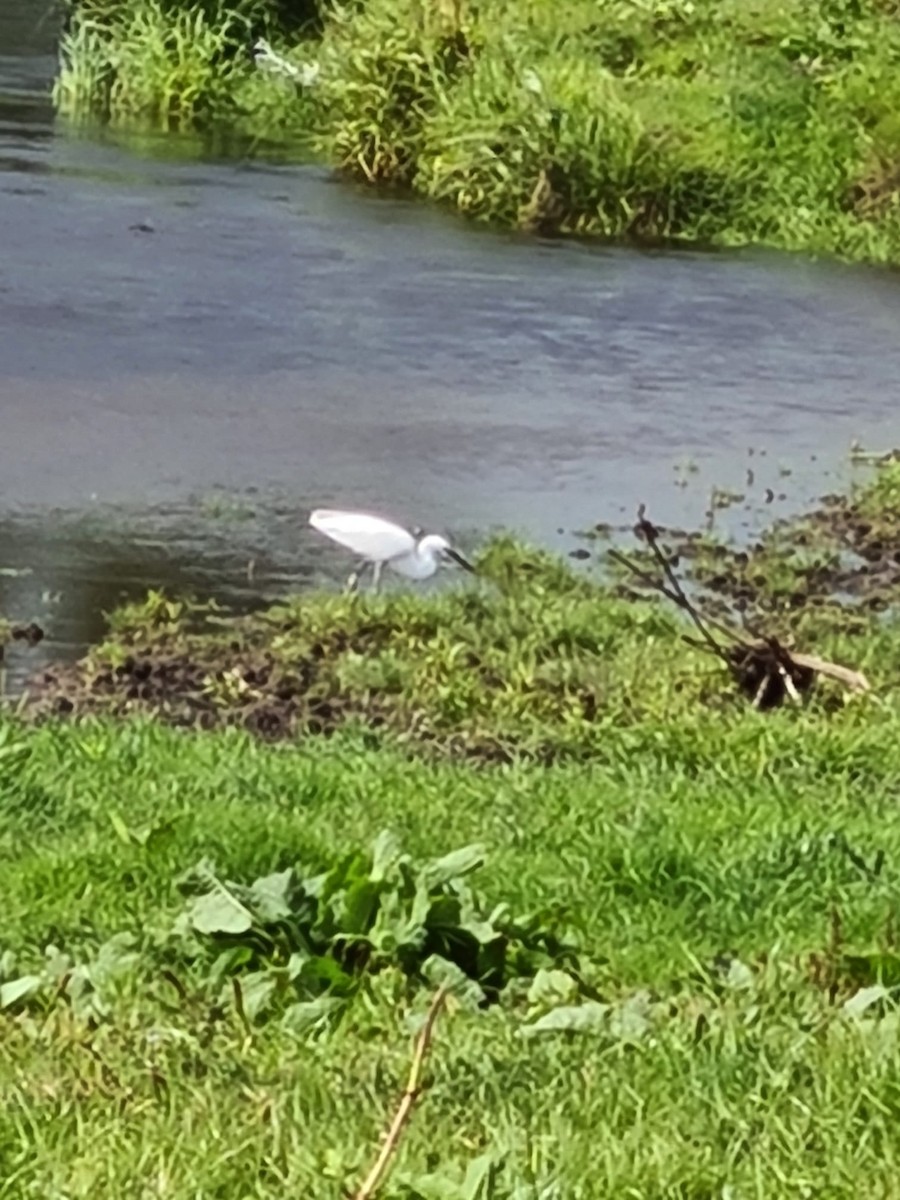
[703, 123]
[669, 917]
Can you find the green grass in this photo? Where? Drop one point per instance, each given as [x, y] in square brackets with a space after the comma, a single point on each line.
[158, 65]
[712, 122]
[532, 660]
[739, 835]
[729, 880]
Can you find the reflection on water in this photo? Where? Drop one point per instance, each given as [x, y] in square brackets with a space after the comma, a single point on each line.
[194, 352]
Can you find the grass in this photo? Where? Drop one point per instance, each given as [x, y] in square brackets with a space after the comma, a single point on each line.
[727, 881]
[740, 836]
[159, 65]
[714, 122]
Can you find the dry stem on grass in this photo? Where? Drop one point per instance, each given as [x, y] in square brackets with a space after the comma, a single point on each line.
[391, 1142]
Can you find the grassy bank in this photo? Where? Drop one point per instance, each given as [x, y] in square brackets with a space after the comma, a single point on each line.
[713, 121]
[669, 920]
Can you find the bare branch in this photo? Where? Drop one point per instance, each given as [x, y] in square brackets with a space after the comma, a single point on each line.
[651, 533]
[765, 670]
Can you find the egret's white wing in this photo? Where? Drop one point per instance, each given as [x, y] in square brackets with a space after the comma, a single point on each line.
[366, 535]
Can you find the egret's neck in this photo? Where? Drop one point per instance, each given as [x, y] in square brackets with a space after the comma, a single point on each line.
[421, 561]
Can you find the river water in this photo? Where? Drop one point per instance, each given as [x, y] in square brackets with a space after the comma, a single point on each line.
[193, 352]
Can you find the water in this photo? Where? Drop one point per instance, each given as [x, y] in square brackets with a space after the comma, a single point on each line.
[195, 352]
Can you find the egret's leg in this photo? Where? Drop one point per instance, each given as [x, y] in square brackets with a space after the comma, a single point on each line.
[353, 581]
[376, 576]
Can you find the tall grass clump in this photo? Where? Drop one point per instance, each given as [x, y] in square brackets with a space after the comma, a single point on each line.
[709, 123]
[387, 67]
[167, 65]
[143, 61]
[262, 16]
[558, 145]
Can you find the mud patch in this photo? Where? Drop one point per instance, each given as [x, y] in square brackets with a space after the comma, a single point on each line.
[204, 684]
[29, 635]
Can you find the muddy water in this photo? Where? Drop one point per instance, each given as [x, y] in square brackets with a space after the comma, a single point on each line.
[194, 351]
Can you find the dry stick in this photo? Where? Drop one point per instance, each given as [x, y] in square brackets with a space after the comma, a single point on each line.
[674, 592]
[650, 533]
[680, 598]
[644, 576]
[708, 642]
[404, 1110]
[854, 680]
[789, 686]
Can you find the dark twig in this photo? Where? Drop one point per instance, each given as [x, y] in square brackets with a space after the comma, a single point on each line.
[649, 531]
[238, 993]
[644, 576]
[673, 590]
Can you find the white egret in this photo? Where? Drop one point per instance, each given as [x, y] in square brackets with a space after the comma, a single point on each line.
[381, 543]
[266, 59]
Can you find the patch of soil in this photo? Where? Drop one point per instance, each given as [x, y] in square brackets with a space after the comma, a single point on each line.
[198, 682]
[31, 634]
[203, 684]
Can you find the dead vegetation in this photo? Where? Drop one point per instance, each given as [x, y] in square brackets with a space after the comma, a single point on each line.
[876, 192]
[765, 670]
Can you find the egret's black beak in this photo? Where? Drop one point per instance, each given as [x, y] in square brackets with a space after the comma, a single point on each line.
[458, 558]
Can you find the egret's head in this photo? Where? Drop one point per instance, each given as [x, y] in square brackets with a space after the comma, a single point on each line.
[439, 548]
